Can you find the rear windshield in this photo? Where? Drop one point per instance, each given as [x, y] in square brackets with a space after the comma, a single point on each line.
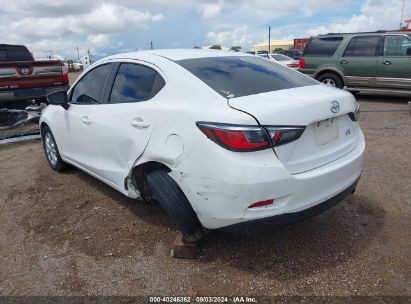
[15, 53]
[322, 46]
[237, 76]
[280, 57]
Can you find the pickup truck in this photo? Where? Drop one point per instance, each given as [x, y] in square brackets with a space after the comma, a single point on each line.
[23, 78]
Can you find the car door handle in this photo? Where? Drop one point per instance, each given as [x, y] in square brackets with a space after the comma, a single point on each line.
[139, 123]
[343, 61]
[86, 120]
[386, 62]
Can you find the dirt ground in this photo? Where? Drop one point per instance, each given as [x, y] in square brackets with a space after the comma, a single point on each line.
[69, 234]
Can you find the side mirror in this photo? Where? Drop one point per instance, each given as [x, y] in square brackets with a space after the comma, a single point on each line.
[58, 98]
[409, 51]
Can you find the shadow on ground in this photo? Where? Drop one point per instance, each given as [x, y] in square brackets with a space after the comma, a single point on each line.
[81, 214]
[301, 249]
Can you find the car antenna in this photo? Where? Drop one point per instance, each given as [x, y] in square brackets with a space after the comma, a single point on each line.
[228, 94]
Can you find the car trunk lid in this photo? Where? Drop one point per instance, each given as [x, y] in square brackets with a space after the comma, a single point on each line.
[328, 135]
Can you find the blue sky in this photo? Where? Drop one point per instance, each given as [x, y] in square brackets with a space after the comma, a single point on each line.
[107, 27]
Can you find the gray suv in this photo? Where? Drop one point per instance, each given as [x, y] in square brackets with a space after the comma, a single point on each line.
[368, 62]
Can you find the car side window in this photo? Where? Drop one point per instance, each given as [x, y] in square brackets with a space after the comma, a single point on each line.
[88, 89]
[135, 83]
[397, 46]
[3, 55]
[363, 46]
[323, 46]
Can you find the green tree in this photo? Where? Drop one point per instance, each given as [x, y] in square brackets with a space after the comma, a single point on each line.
[235, 48]
[215, 47]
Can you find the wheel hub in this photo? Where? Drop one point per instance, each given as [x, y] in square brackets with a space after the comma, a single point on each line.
[51, 149]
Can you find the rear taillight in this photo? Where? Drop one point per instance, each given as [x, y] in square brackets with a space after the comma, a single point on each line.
[64, 70]
[284, 135]
[249, 138]
[293, 65]
[302, 63]
[235, 137]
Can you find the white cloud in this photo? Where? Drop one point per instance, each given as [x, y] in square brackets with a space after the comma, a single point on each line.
[375, 15]
[61, 25]
[40, 25]
[98, 40]
[110, 17]
[240, 36]
[211, 10]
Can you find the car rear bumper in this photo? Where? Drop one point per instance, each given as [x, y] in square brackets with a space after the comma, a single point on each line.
[271, 223]
[235, 181]
[30, 93]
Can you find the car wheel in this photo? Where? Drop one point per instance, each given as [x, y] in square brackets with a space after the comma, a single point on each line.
[165, 190]
[331, 79]
[51, 150]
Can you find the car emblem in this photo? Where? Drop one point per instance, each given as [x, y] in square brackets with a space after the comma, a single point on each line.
[25, 71]
[335, 106]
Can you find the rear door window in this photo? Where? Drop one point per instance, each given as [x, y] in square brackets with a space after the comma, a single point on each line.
[322, 46]
[397, 46]
[236, 76]
[88, 89]
[363, 46]
[135, 83]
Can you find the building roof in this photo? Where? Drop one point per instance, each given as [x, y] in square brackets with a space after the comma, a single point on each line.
[275, 43]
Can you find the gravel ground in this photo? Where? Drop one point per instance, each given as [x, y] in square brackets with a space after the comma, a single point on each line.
[69, 234]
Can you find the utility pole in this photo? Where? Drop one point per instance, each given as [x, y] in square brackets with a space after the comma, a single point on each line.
[78, 54]
[402, 13]
[269, 39]
[151, 45]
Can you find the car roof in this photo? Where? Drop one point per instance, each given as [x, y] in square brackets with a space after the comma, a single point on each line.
[175, 54]
[364, 34]
[11, 45]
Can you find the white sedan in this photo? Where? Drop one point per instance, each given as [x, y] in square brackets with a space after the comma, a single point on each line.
[282, 59]
[220, 140]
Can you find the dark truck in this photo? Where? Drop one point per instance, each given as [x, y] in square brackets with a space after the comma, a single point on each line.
[23, 78]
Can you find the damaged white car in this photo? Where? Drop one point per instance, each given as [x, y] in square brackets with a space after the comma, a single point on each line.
[221, 140]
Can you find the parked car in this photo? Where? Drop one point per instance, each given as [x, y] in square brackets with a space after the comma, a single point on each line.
[284, 60]
[369, 62]
[281, 59]
[262, 53]
[221, 140]
[293, 53]
[24, 78]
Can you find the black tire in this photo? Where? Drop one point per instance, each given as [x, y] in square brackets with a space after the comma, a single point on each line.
[331, 79]
[165, 190]
[55, 163]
